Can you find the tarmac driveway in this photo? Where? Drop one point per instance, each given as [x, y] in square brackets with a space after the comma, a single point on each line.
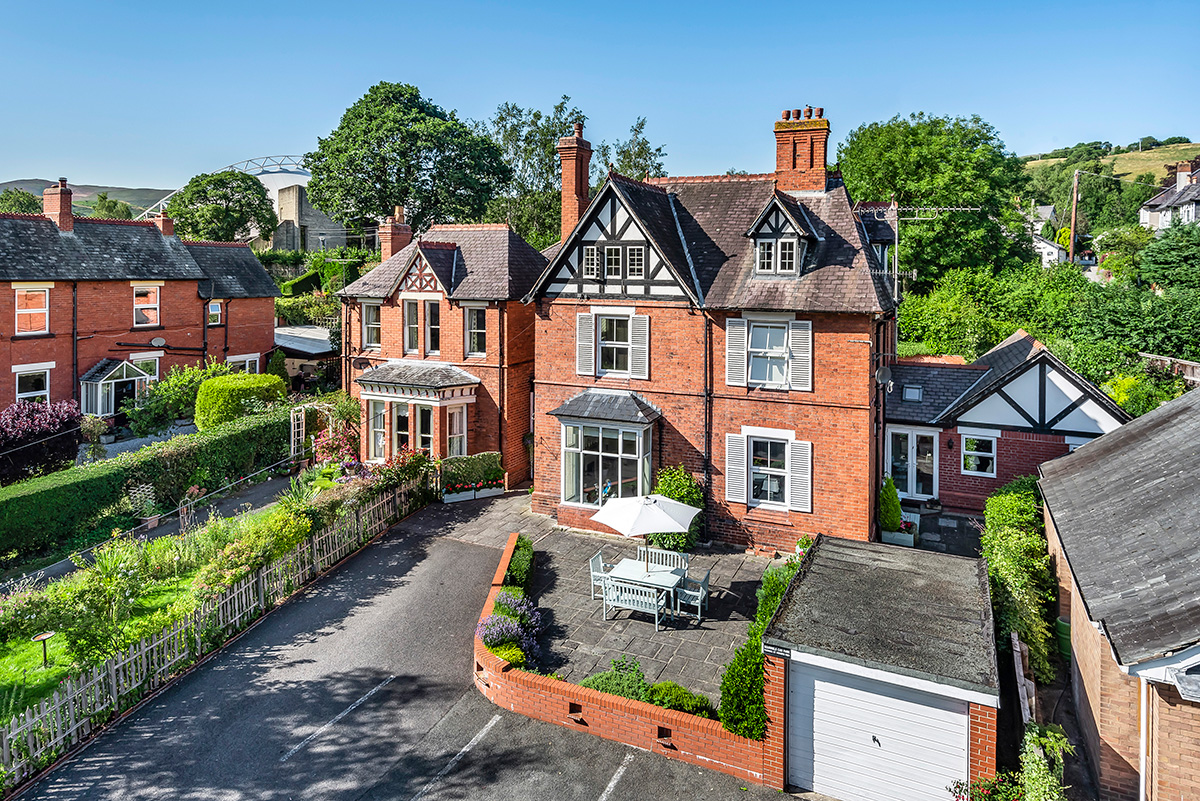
[360, 688]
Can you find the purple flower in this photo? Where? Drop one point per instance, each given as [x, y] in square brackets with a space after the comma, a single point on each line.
[497, 630]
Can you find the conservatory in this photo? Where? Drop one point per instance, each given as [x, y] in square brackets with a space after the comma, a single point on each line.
[109, 384]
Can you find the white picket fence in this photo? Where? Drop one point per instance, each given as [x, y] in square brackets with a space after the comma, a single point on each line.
[42, 733]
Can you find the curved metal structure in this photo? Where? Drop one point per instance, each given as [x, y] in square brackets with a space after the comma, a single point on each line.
[263, 165]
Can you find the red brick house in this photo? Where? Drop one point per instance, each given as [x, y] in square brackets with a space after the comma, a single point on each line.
[438, 347]
[93, 309]
[959, 432]
[1121, 525]
[731, 324]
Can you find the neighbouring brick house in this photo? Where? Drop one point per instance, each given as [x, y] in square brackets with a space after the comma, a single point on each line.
[1121, 521]
[731, 324]
[438, 346]
[958, 432]
[93, 309]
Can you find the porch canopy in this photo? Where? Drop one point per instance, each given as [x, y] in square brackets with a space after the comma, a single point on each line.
[433, 384]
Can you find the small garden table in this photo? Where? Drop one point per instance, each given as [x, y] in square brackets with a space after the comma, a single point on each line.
[634, 571]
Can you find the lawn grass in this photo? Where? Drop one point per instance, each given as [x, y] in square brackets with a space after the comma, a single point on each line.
[23, 680]
[1130, 165]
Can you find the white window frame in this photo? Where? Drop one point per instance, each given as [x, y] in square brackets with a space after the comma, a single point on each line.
[151, 356]
[400, 436]
[779, 256]
[376, 326]
[635, 257]
[888, 458]
[591, 262]
[612, 270]
[246, 360]
[965, 452]
[429, 328]
[767, 353]
[461, 436]
[642, 458]
[469, 313]
[780, 472]
[156, 306]
[424, 439]
[761, 257]
[772, 264]
[214, 310]
[916, 388]
[600, 343]
[20, 372]
[19, 312]
[376, 431]
[412, 326]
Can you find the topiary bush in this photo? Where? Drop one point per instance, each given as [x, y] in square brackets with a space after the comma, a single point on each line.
[889, 506]
[520, 567]
[625, 678]
[678, 484]
[670, 695]
[227, 397]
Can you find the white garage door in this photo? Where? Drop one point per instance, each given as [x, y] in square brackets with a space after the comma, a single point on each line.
[859, 739]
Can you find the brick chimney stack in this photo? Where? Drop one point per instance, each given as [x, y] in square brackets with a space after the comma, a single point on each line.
[801, 140]
[576, 155]
[56, 204]
[394, 234]
[164, 224]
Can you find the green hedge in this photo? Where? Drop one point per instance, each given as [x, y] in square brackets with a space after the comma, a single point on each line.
[520, 567]
[225, 397]
[471, 469]
[305, 284]
[47, 510]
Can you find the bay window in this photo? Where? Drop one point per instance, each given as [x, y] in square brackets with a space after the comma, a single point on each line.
[425, 428]
[399, 427]
[456, 431]
[376, 423]
[602, 462]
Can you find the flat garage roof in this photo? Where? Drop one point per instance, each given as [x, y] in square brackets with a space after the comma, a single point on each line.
[901, 610]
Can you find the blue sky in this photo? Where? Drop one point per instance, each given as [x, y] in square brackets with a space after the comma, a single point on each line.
[149, 95]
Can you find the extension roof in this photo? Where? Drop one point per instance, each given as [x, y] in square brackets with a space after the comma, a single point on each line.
[903, 610]
[699, 225]
[418, 373]
[612, 406]
[32, 248]
[1126, 510]
[472, 262]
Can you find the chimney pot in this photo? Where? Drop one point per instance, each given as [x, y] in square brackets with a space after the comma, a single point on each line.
[579, 129]
[399, 215]
[808, 112]
[820, 112]
[787, 115]
[800, 152]
[795, 114]
[62, 182]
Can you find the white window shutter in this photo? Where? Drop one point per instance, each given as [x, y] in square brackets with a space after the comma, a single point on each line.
[735, 468]
[639, 346]
[585, 344]
[800, 354]
[735, 352]
[800, 476]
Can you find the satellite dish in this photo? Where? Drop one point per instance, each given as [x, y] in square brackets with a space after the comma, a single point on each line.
[158, 342]
[883, 375]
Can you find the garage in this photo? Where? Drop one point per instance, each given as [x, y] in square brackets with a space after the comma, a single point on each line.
[891, 668]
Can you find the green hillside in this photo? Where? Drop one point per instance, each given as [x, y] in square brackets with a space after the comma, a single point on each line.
[1127, 165]
[83, 196]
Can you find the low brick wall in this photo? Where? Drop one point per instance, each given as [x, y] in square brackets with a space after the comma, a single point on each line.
[672, 734]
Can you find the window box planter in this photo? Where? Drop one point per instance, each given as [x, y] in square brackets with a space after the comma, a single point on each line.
[489, 492]
[455, 497]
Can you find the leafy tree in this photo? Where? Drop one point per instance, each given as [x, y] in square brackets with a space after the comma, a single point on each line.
[635, 157]
[111, 209]
[1173, 259]
[222, 207]
[1121, 247]
[394, 147]
[1176, 140]
[18, 201]
[924, 160]
[528, 139]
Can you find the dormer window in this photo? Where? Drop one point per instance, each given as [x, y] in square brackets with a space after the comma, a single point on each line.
[766, 256]
[787, 256]
[778, 256]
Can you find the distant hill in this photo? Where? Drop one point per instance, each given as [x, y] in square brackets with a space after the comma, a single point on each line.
[83, 196]
[1127, 165]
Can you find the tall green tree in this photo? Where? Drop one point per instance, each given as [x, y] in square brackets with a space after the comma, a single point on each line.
[1173, 259]
[923, 160]
[394, 147]
[528, 139]
[111, 209]
[18, 201]
[223, 207]
[634, 157]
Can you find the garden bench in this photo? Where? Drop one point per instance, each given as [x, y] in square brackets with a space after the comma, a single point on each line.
[599, 569]
[636, 598]
[656, 557]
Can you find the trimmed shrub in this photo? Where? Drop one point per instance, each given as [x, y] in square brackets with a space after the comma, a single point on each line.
[510, 653]
[227, 397]
[305, 284]
[477, 471]
[770, 592]
[670, 695]
[39, 512]
[625, 678]
[277, 365]
[678, 484]
[171, 397]
[889, 506]
[53, 426]
[520, 567]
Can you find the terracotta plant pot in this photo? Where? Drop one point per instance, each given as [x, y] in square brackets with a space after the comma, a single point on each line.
[151, 521]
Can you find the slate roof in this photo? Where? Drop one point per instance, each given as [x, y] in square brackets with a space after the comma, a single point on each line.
[941, 385]
[1127, 513]
[613, 406]
[491, 262]
[233, 271]
[1175, 196]
[879, 231]
[416, 373]
[917, 613]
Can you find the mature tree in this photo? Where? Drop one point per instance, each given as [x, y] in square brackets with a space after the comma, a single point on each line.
[223, 207]
[111, 209]
[394, 147]
[1173, 259]
[528, 139]
[635, 157]
[18, 201]
[923, 160]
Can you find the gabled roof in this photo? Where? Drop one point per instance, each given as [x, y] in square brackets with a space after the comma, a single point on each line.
[790, 208]
[232, 270]
[473, 262]
[1126, 509]
[1175, 196]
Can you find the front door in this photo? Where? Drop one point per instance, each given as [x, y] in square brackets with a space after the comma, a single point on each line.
[912, 462]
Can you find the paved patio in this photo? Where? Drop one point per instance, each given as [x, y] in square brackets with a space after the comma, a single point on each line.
[580, 642]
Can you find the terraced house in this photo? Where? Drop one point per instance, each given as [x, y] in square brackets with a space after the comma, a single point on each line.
[440, 350]
[92, 310]
[731, 324]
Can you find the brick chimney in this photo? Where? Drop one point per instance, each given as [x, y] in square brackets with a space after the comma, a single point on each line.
[56, 204]
[576, 155]
[394, 234]
[164, 224]
[801, 138]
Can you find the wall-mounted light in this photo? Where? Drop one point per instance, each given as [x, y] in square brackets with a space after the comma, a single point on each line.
[949, 444]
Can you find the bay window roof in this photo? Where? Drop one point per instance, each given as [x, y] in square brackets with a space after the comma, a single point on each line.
[609, 406]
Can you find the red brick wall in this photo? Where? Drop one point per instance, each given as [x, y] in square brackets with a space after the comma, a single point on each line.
[1174, 745]
[675, 735]
[983, 741]
[836, 417]
[1017, 454]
